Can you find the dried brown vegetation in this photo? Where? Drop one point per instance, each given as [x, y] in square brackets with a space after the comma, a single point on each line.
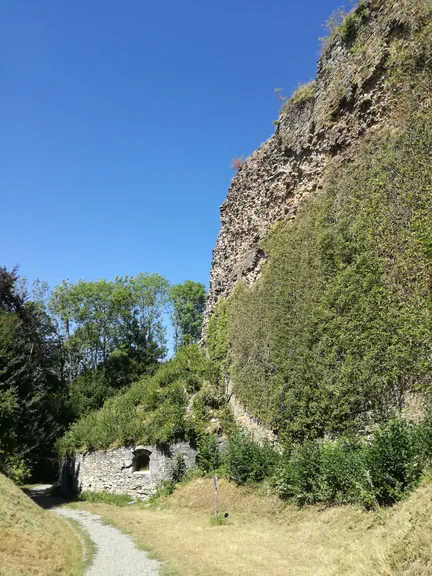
[34, 541]
[267, 536]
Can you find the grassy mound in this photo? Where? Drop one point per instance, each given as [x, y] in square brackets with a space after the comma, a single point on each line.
[32, 540]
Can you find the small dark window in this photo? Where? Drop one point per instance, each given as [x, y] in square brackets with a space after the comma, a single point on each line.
[141, 461]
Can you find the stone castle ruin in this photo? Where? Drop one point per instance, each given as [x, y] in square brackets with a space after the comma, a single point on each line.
[133, 470]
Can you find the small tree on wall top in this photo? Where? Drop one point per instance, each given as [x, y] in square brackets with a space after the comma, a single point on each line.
[237, 163]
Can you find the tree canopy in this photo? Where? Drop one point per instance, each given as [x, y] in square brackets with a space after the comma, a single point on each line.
[64, 352]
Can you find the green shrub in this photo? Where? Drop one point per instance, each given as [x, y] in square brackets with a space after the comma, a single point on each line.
[304, 92]
[246, 461]
[164, 489]
[217, 332]
[178, 469]
[351, 24]
[208, 457]
[395, 460]
[380, 471]
[16, 469]
[299, 475]
[344, 473]
[345, 24]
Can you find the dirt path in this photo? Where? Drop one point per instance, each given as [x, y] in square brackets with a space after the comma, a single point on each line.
[116, 553]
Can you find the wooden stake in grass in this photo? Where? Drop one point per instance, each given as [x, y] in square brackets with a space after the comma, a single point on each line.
[216, 495]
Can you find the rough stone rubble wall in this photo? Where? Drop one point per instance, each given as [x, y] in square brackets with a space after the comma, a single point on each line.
[349, 100]
[112, 471]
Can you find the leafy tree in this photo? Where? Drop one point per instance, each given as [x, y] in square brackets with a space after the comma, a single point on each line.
[112, 333]
[150, 297]
[31, 393]
[187, 310]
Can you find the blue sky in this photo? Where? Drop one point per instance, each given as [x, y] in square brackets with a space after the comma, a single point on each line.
[119, 120]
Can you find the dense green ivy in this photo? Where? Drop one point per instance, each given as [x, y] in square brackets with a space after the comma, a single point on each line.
[339, 324]
[217, 332]
[154, 409]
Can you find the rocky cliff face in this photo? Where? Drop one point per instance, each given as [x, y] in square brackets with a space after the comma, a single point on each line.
[348, 100]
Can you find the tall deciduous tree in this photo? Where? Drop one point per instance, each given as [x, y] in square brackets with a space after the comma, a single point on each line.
[112, 331]
[187, 310]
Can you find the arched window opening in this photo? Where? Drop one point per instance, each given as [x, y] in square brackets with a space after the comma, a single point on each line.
[141, 461]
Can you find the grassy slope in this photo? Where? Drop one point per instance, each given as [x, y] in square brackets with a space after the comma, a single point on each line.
[34, 541]
[267, 536]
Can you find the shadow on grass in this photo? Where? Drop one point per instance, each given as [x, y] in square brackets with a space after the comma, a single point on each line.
[46, 496]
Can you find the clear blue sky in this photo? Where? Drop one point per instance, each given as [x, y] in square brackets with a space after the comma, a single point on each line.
[119, 120]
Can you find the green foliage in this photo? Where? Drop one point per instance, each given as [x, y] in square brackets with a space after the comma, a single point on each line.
[218, 520]
[246, 461]
[351, 24]
[304, 92]
[332, 26]
[209, 458]
[396, 460]
[217, 342]
[15, 467]
[178, 468]
[32, 402]
[345, 474]
[379, 472]
[112, 334]
[187, 310]
[344, 24]
[338, 325]
[88, 392]
[165, 488]
[227, 420]
[105, 498]
[410, 63]
[151, 411]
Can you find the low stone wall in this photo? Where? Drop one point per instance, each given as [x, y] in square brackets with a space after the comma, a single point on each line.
[133, 470]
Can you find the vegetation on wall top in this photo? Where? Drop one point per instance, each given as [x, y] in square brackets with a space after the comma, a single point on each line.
[174, 404]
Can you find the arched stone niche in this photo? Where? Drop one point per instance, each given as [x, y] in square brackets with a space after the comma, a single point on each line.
[141, 461]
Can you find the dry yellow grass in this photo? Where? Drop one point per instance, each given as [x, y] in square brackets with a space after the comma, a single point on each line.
[34, 541]
[267, 537]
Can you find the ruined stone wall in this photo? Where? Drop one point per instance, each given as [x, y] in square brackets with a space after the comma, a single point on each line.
[112, 471]
[349, 100]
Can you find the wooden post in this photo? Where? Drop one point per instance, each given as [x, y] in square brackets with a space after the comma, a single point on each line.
[216, 494]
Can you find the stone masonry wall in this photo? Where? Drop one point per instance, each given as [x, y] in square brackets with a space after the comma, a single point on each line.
[112, 471]
[349, 100]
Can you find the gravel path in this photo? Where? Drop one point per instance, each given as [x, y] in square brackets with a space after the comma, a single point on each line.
[116, 553]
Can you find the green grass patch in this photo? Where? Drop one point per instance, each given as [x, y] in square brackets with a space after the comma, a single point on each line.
[105, 498]
[89, 547]
[218, 520]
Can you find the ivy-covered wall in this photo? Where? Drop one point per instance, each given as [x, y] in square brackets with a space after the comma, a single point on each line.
[323, 321]
[339, 325]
